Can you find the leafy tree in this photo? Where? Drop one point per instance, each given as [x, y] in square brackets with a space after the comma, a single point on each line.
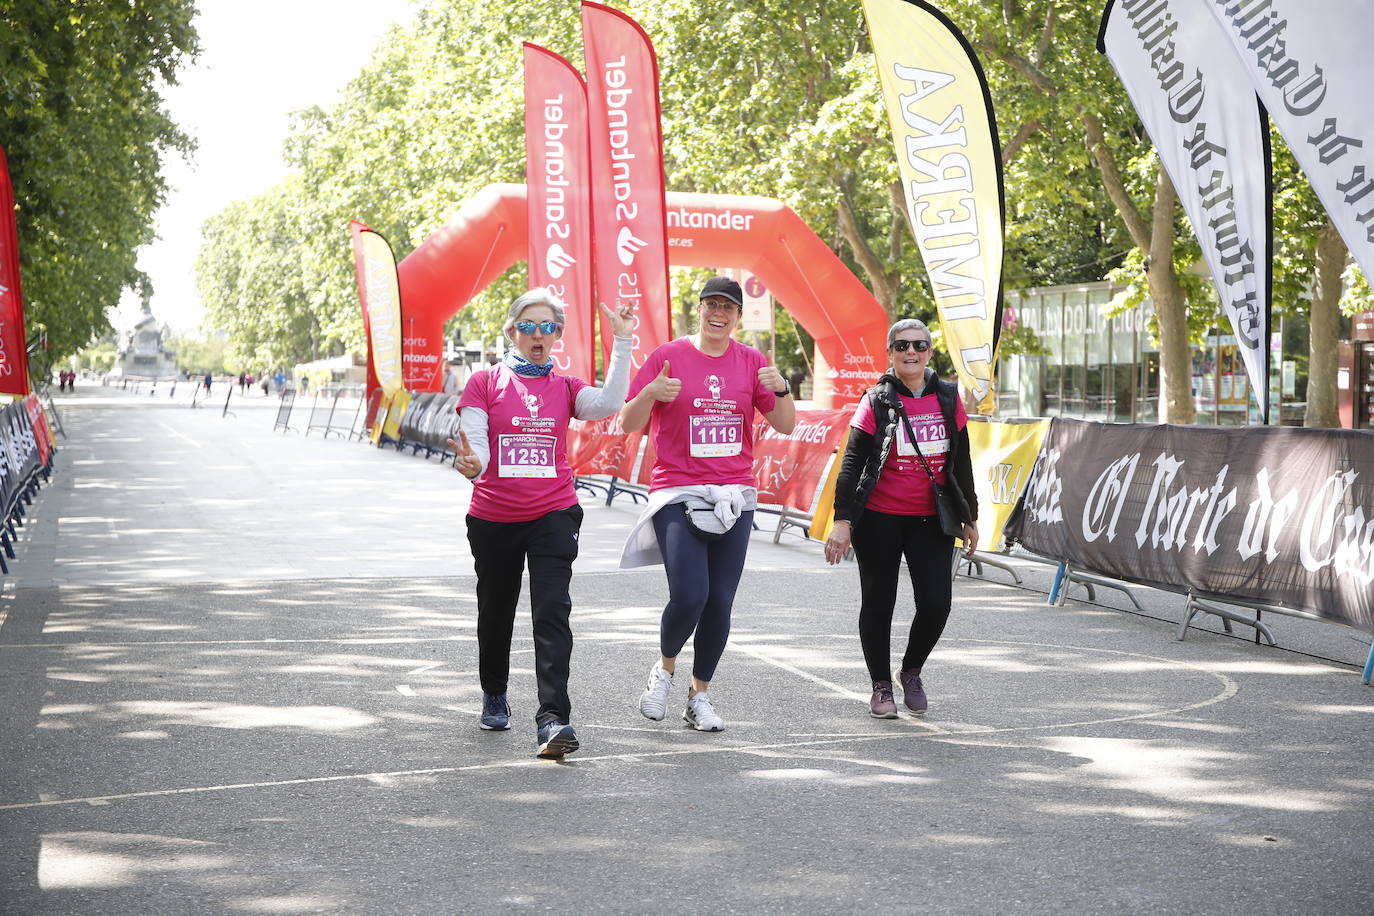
[783, 101]
[198, 355]
[83, 122]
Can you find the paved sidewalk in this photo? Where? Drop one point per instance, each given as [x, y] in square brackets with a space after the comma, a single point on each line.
[237, 672]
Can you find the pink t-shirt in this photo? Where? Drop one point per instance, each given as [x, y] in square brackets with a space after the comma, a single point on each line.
[903, 487]
[705, 435]
[527, 473]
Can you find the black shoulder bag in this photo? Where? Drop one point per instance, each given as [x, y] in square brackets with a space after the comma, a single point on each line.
[950, 521]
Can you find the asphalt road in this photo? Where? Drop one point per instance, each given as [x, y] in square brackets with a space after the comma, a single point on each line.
[238, 675]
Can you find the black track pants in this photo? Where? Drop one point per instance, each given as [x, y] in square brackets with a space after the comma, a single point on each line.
[880, 542]
[500, 551]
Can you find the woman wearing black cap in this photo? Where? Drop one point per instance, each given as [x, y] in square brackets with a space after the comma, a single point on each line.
[699, 394]
[908, 433]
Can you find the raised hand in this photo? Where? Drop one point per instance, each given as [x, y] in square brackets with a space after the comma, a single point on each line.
[771, 378]
[622, 319]
[465, 460]
[665, 388]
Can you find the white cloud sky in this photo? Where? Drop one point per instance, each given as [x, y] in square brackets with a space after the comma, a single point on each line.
[260, 61]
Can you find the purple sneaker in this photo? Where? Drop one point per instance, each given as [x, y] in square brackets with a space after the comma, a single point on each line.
[913, 692]
[881, 705]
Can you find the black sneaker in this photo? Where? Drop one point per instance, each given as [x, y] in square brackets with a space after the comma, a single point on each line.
[495, 712]
[556, 739]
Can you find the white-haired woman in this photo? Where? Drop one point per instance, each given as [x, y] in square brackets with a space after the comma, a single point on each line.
[908, 433]
[514, 448]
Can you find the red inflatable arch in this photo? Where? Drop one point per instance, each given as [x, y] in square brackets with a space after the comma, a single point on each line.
[757, 234]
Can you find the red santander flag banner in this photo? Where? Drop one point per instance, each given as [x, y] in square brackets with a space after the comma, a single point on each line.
[42, 436]
[602, 447]
[788, 468]
[629, 226]
[558, 182]
[14, 359]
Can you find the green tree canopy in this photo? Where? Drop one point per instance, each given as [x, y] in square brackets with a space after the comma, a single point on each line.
[83, 122]
[784, 101]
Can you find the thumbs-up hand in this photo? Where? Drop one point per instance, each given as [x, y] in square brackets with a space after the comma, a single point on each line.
[771, 378]
[465, 460]
[665, 388]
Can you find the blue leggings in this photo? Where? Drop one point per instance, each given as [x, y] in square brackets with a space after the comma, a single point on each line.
[702, 579]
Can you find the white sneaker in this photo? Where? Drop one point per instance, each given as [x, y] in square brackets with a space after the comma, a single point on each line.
[653, 702]
[701, 715]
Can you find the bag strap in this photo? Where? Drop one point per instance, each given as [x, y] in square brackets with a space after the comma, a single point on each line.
[901, 411]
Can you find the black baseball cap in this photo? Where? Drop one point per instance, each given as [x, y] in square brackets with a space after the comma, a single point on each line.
[722, 286]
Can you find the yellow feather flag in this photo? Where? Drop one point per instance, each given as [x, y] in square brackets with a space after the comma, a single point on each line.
[947, 150]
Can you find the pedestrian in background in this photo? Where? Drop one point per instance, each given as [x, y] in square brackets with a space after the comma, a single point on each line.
[451, 385]
[513, 446]
[909, 433]
[698, 394]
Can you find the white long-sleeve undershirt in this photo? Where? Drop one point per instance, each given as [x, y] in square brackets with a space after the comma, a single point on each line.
[593, 403]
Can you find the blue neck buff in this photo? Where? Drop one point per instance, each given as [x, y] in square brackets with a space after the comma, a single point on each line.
[521, 366]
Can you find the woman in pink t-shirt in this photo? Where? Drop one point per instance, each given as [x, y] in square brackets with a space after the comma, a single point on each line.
[698, 394]
[514, 449]
[908, 428]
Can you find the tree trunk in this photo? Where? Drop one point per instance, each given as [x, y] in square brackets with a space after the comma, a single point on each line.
[1329, 263]
[883, 283]
[1171, 310]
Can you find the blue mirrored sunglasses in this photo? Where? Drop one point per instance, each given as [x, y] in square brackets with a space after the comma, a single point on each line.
[528, 327]
[920, 346]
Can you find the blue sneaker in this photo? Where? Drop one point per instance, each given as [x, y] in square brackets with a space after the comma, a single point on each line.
[556, 739]
[495, 712]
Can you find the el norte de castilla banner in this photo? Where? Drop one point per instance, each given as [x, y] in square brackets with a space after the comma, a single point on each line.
[1212, 137]
[947, 151]
[1279, 515]
[1311, 65]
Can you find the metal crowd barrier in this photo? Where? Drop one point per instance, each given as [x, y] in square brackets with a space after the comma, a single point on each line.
[429, 422]
[283, 423]
[324, 420]
[360, 429]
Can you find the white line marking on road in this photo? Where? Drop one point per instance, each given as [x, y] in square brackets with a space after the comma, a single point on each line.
[829, 685]
[179, 434]
[340, 640]
[405, 690]
[1229, 689]
[423, 668]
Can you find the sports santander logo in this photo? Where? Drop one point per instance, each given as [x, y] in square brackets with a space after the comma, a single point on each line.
[627, 246]
[557, 261]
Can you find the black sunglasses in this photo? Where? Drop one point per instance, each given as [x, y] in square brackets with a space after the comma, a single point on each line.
[920, 346]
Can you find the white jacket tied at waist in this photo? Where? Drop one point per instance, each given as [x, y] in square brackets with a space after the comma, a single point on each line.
[641, 547]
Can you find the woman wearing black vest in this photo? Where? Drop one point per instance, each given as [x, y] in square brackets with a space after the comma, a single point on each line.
[885, 505]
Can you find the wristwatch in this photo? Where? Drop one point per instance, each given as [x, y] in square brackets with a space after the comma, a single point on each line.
[786, 389]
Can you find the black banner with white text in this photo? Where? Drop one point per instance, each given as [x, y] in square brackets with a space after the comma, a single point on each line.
[1278, 515]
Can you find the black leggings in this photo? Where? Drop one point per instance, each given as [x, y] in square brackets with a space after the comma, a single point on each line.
[702, 578]
[499, 553]
[880, 542]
